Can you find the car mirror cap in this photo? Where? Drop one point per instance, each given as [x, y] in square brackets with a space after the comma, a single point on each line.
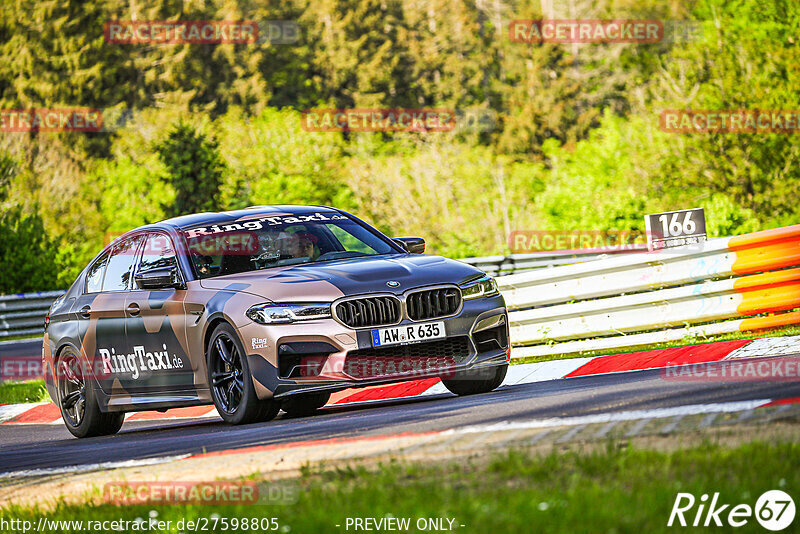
[413, 245]
[160, 278]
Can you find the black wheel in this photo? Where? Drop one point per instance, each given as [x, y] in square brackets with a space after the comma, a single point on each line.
[76, 399]
[231, 382]
[306, 404]
[475, 381]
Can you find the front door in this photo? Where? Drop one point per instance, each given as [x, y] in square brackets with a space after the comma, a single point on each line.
[156, 325]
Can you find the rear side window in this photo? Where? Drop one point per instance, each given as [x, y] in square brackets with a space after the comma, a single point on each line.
[94, 278]
[120, 265]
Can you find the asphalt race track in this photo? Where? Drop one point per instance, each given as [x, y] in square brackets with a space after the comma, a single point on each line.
[26, 447]
[23, 348]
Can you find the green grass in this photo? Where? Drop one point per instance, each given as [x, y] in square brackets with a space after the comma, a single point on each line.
[783, 331]
[20, 392]
[616, 490]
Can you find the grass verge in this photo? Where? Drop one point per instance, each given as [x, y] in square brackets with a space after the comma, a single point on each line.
[614, 489]
[21, 392]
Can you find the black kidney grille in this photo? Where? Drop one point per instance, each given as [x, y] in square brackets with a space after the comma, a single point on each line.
[369, 311]
[432, 303]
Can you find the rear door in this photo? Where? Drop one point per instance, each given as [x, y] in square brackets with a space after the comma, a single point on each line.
[156, 324]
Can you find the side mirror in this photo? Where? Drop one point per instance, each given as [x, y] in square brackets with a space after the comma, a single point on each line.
[160, 278]
[414, 245]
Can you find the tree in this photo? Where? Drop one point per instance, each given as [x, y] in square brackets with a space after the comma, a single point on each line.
[194, 169]
[26, 253]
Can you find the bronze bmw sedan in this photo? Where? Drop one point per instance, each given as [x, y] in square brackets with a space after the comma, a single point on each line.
[262, 309]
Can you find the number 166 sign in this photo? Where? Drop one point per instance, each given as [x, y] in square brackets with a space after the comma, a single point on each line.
[675, 228]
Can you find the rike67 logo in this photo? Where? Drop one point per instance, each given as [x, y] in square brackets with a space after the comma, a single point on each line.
[774, 510]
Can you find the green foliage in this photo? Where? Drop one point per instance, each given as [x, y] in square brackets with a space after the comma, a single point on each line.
[7, 167]
[271, 160]
[594, 186]
[194, 168]
[724, 217]
[134, 192]
[22, 392]
[464, 200]
[748, 59]
[27, 253]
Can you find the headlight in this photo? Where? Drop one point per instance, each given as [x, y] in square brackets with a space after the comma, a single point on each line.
[482, 287]
[275, 313]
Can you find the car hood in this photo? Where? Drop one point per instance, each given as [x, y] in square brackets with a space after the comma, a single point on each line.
[327, 281]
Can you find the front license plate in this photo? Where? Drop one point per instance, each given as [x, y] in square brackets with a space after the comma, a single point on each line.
[412, 333]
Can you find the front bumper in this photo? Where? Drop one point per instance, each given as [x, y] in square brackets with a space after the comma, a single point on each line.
[328, 356]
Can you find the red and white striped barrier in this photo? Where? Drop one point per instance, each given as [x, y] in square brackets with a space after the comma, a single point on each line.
[723, 285]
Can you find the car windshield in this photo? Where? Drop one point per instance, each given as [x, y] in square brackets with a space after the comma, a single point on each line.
[274, 240]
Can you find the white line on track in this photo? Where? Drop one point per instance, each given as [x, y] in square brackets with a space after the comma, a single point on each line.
[89, 467]
[631, 415]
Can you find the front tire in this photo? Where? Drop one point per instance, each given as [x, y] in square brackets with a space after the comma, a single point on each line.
[476, 380]
[231, 382]
[306, 404]
[77, 400]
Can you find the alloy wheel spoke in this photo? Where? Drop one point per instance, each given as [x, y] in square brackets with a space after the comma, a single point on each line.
[239, 385]
[70, 400]
[74, 379]
[220, 378]
[230, 402]
[223, 352]
[79, 406]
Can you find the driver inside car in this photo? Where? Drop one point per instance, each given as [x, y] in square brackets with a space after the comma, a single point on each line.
[302, 245]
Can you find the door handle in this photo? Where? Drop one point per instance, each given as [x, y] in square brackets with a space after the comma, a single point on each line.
[85, 311]
[133, 309]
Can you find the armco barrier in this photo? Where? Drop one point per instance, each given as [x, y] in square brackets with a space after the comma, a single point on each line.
[724, 285]
[503, 265]
[23, 313]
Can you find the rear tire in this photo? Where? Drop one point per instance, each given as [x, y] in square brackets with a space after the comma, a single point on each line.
[76, 398]
[304, 405]
[231, 382]
[476, 380]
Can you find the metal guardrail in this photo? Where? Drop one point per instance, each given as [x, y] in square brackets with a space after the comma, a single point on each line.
[503, 265]
[724, 285]
[23, 313]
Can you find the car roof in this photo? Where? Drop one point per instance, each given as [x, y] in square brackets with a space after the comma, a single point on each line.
[220, 217]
